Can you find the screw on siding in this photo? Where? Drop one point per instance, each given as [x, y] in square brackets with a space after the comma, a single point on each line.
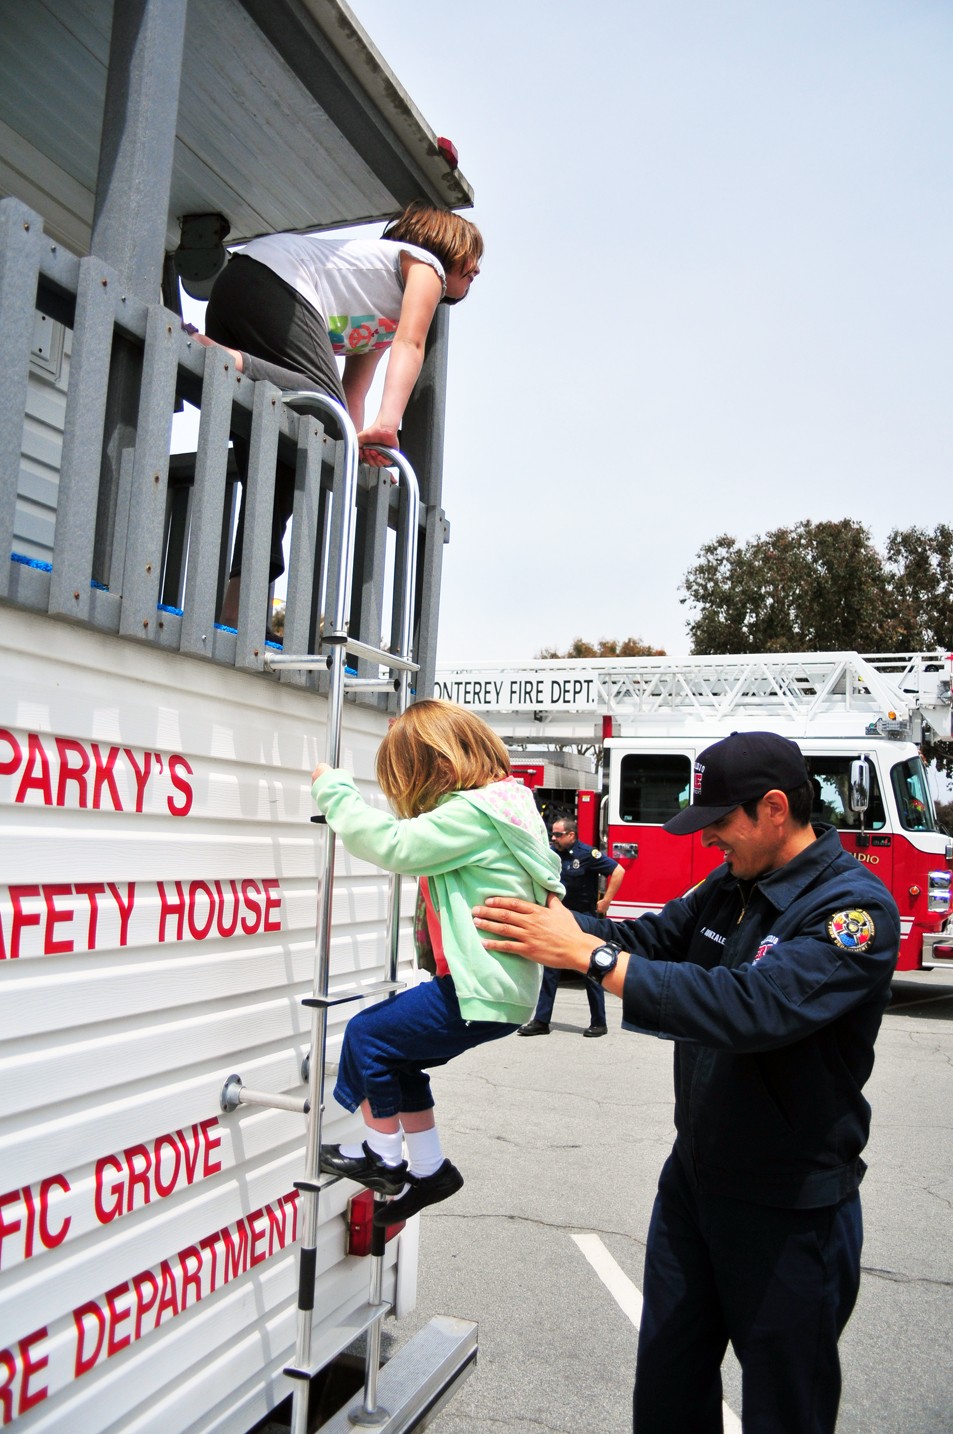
[145, 622]
[76, 596]
[148, 567]
[26, 226]
[155, 477]
[105, 283]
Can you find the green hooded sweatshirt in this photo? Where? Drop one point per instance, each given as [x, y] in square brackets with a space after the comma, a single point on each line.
[488, 842]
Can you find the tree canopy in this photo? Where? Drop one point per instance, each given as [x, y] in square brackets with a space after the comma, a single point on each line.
[822, 587]
[605, 647]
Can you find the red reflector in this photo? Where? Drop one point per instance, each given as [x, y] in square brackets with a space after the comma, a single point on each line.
[449, 151]
[360, 1228]
[608, 726]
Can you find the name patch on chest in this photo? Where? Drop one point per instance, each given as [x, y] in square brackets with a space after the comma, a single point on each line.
[713, 935]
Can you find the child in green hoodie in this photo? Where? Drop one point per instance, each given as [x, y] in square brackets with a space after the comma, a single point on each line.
[468, 829]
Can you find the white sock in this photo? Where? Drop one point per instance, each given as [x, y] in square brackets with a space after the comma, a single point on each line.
[424, 1151]
[388, 1146]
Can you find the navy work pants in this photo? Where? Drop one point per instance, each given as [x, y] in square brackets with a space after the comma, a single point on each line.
[779, 1284]
[547, 998]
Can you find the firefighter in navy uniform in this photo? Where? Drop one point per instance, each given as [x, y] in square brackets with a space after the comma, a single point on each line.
[770, 978]
[582, 867]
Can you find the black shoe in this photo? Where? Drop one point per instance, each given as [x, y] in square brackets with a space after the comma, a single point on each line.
[369, 1169]
[421, 1190]
[595, 1030]
[534, 1028]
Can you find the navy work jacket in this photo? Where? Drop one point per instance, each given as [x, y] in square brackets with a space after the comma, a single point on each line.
[774, 993]
[582, 866]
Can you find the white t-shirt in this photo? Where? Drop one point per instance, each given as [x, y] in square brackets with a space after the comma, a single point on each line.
[355, 284]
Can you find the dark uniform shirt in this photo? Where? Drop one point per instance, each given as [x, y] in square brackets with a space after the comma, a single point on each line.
[582, 867]
[773, 992]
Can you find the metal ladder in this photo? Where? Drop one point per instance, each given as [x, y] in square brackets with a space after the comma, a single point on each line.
[334, 638]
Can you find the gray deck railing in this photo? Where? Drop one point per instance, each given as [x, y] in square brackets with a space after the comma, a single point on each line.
[141, 541]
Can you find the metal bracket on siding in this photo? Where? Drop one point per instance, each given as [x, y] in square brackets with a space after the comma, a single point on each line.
[234, 1094]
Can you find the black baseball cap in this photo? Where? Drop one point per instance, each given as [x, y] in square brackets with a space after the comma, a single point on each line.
[738, 769]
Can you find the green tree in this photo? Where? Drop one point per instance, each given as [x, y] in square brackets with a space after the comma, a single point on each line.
[816, 587]
[920, 568]
[605, 647]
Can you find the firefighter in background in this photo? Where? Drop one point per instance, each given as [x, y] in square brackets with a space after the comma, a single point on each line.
[582, 866]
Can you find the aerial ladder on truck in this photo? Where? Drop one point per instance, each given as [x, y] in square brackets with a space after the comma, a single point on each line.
[543, 703]
[441, 1354]
[624, 732]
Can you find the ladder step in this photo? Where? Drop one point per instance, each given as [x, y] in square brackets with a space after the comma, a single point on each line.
[356, 1323]
[372, 684]
[353, 993]
[381, 655]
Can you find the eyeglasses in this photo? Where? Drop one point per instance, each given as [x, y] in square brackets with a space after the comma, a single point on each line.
[559, 834]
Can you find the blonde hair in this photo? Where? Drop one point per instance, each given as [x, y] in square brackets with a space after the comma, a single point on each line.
[434, 748]
[455, 241]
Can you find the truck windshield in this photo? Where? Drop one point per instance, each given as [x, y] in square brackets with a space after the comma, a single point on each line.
[830, 777]
[914, 801]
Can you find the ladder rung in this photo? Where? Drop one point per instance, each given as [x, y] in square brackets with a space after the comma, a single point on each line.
[381, 655]
[301, 661]
[314, 1187]
[360, 1319]
[372, 684]
[353, 993]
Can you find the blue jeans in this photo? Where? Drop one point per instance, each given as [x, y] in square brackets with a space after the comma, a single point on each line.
[779, 1284]
[387, 1047]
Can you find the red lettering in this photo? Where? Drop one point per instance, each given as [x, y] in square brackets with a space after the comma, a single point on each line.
[221, 928]
[91, 889]
[52, 947]
[169, 908]
[8, 1371]
[142, 774]
[8, 1227]
[33, 780]
[125, 911]
[30, 1222]
[257, 1237]
[138, 1177]
[85, 1361]
[32, 1366]
[210, 1244]
[9, 764]
[191, 1154]
[116, 1317]
[236, 1250]
[21, 918]
[143, 1304]
[181, 785]
[48, 1239]
[105, 776]
[211, 1143]
[191, 1279]
[104, 1213]
[67, 747]
[170, 1184]
[249, 887]
[169, 1297]
[277, 1227]
[272, 889]
[292, 1199]
[197, 931]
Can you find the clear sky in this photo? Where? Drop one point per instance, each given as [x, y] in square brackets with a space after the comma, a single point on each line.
[717, 292]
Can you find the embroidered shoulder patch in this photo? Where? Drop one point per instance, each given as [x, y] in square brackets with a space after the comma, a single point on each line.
[851, 929]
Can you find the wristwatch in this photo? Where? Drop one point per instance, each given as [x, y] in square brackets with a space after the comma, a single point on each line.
[603, 960]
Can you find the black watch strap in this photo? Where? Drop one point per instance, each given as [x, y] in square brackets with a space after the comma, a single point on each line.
[603, 960]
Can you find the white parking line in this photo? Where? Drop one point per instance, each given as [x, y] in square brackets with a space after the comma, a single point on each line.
[629, 1298]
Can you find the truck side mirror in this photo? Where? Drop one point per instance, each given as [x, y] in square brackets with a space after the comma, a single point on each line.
[859, 799]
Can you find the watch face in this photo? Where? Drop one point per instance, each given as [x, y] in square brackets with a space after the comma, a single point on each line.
[604, 958]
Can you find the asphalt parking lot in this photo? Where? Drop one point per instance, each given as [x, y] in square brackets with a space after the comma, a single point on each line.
[561, 1139]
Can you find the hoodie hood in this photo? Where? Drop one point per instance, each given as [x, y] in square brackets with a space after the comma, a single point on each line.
[512, 810]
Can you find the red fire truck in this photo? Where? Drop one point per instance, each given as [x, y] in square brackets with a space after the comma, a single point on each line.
[617, 738]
